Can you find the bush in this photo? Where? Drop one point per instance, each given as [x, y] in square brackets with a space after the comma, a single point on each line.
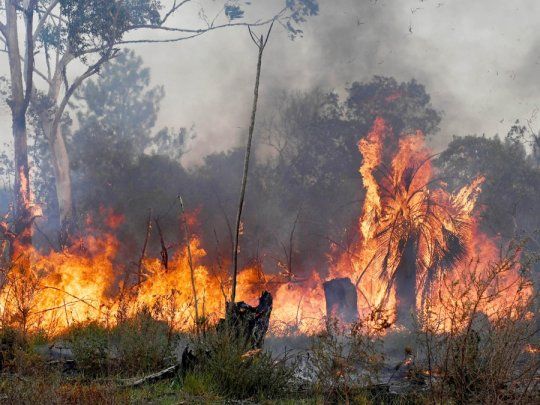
[474, 358]
[142, 344]
[90, 345]
[234, 370]
[17, 352]
[136, 345]
[345, 361]
[198, 384]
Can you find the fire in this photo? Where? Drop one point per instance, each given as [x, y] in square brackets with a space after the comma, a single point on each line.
[419, 245]
[412, 228]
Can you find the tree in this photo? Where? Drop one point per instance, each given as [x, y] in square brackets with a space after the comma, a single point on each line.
[118, 158]
[18, 101]
[405, 106]
[120, 106]
[526, 135]
[312, 139]
[69, 31]
[509, 197]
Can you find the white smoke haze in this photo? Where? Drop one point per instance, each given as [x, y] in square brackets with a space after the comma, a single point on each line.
[478, 61]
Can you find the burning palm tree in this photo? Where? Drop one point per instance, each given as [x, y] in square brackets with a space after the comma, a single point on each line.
[412, 229]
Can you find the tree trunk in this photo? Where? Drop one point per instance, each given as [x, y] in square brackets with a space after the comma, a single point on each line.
[23, 214]
[261, 44]
[405, 282]
[59, 155]
[249, 323]
[19, 104]
[62, 176]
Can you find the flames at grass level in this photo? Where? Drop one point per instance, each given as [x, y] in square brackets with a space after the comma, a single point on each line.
[405, 210]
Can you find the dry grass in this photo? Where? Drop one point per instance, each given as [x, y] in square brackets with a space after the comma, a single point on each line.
[472, 358]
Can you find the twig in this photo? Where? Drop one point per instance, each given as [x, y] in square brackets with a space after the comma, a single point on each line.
[164, 252]
[190, 259]
[145, 244]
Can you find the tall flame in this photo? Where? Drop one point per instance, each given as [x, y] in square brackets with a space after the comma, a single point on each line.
[405, 207]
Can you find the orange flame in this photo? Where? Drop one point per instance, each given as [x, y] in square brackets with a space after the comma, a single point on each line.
[402, 198]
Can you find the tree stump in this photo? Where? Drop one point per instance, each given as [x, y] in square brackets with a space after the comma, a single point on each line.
[251, 322]
[341, 300]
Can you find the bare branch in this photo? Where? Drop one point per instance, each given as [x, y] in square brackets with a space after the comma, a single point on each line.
[173, 10]
[69, 92]
[193, 32]
[269, 32]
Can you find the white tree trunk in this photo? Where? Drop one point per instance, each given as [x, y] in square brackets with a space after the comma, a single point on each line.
[58, 150]
[62, 175]
[18, 104]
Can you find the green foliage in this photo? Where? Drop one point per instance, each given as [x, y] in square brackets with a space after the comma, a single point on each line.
[228, 364]
[198, 384]
[142, 344]
[509, 197]
[90, 346]
[136, 345]
[102, 23]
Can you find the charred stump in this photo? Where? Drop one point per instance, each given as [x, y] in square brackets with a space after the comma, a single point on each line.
[341, 300]
[250, 323]
[247, 324]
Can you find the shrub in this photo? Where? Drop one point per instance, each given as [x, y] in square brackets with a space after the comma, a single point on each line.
[198, 384]
[11, 341]
[90, 345]
[237, 371]
[471, 357]
[136, 345]
[346, 360]
[142, 343]
[17, 353]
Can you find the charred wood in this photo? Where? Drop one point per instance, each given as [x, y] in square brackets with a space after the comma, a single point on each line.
[250, 323]
[341, 300]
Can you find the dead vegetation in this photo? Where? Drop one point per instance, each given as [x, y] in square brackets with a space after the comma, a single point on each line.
[477, 352]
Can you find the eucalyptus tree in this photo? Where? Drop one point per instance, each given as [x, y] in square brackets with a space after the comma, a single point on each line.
[68, 41]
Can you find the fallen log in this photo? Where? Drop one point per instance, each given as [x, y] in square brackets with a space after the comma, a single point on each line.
[169, 372]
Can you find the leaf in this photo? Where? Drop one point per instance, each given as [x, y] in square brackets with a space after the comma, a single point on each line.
[233, 12]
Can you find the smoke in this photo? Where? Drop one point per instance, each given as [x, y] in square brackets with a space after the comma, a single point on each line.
[476, 60]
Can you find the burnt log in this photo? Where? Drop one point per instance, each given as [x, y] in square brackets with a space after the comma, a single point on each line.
[169, 372]
[341, 300]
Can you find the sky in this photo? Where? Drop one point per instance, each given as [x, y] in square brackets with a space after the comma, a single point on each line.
[478, 60]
